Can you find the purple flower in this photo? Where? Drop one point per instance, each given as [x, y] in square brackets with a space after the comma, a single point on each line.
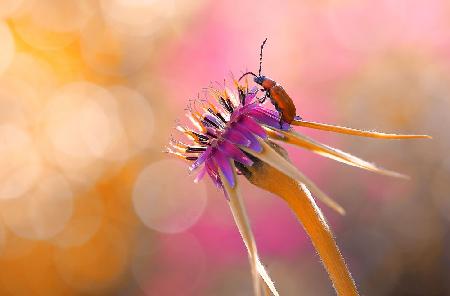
[221, 132]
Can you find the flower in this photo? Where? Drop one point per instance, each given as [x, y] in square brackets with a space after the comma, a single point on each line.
[238, 137]
[220, 133]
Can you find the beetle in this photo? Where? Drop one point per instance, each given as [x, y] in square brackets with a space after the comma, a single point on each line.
[275, 92]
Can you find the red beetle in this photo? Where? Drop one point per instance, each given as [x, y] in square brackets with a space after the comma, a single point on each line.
[278, 96]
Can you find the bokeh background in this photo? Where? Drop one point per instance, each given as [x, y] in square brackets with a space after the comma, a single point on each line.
[90, 91]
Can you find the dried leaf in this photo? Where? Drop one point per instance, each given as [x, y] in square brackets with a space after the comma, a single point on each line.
[240, 217]
[271, 157]
[354, 132]
[303, 141]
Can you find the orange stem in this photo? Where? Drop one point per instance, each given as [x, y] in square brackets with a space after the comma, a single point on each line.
[353, 131]
[300, 201]
[307, 212]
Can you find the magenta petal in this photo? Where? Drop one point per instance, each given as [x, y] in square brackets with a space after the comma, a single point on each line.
[201, 159]
[264, 117]
[268, 117]
[249, 107]
[243, 110]
[254, 144]
[251, 94]
[200, 175]
[235, 153]
[253, 126]
[272, 113]
[213, 172]
[236, 137]
[225, 166]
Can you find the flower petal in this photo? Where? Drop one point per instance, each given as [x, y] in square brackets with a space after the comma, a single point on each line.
[251, 94]
[268, 117]
[236, 137]
[253, 126]
[200, 175]
[254, 143]
[235, 153]
[242, 111]
[264, 118]
[201, 159]
[223, 162]
[213, 172]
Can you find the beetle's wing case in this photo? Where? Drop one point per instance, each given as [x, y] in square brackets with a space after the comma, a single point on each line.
[284, 103]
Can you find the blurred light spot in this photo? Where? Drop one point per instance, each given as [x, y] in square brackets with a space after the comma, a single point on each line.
[170, 265]
[80, 123]
[14, 246]
[18, 102]
[136, 115]
[86, 219]
[166, 199]
[42, 212]
[137, 121]
[41, 38]
[110, 52]
[19, 163]
[88, 126]
[32, 274]
[62, 16]
[13, 138]
[36, 73]
[96, 131]
[18, 9]
[7, 47]
[137, 17]
[9, 7]
[96, 265]
[53, 24]
[81, 119]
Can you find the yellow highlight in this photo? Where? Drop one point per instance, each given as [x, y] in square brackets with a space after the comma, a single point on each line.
[70, 123]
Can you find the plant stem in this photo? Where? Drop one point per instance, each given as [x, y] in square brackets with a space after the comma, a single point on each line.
[301, 202]
[259, 274]
[312, 220]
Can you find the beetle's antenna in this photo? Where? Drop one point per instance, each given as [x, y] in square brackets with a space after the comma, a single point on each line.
[248, 73]
[261, 56]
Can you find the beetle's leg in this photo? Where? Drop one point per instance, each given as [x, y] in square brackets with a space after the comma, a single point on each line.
[280, 112]
[263, 99]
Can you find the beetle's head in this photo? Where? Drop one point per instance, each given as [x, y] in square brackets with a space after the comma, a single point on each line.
[259, 79]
